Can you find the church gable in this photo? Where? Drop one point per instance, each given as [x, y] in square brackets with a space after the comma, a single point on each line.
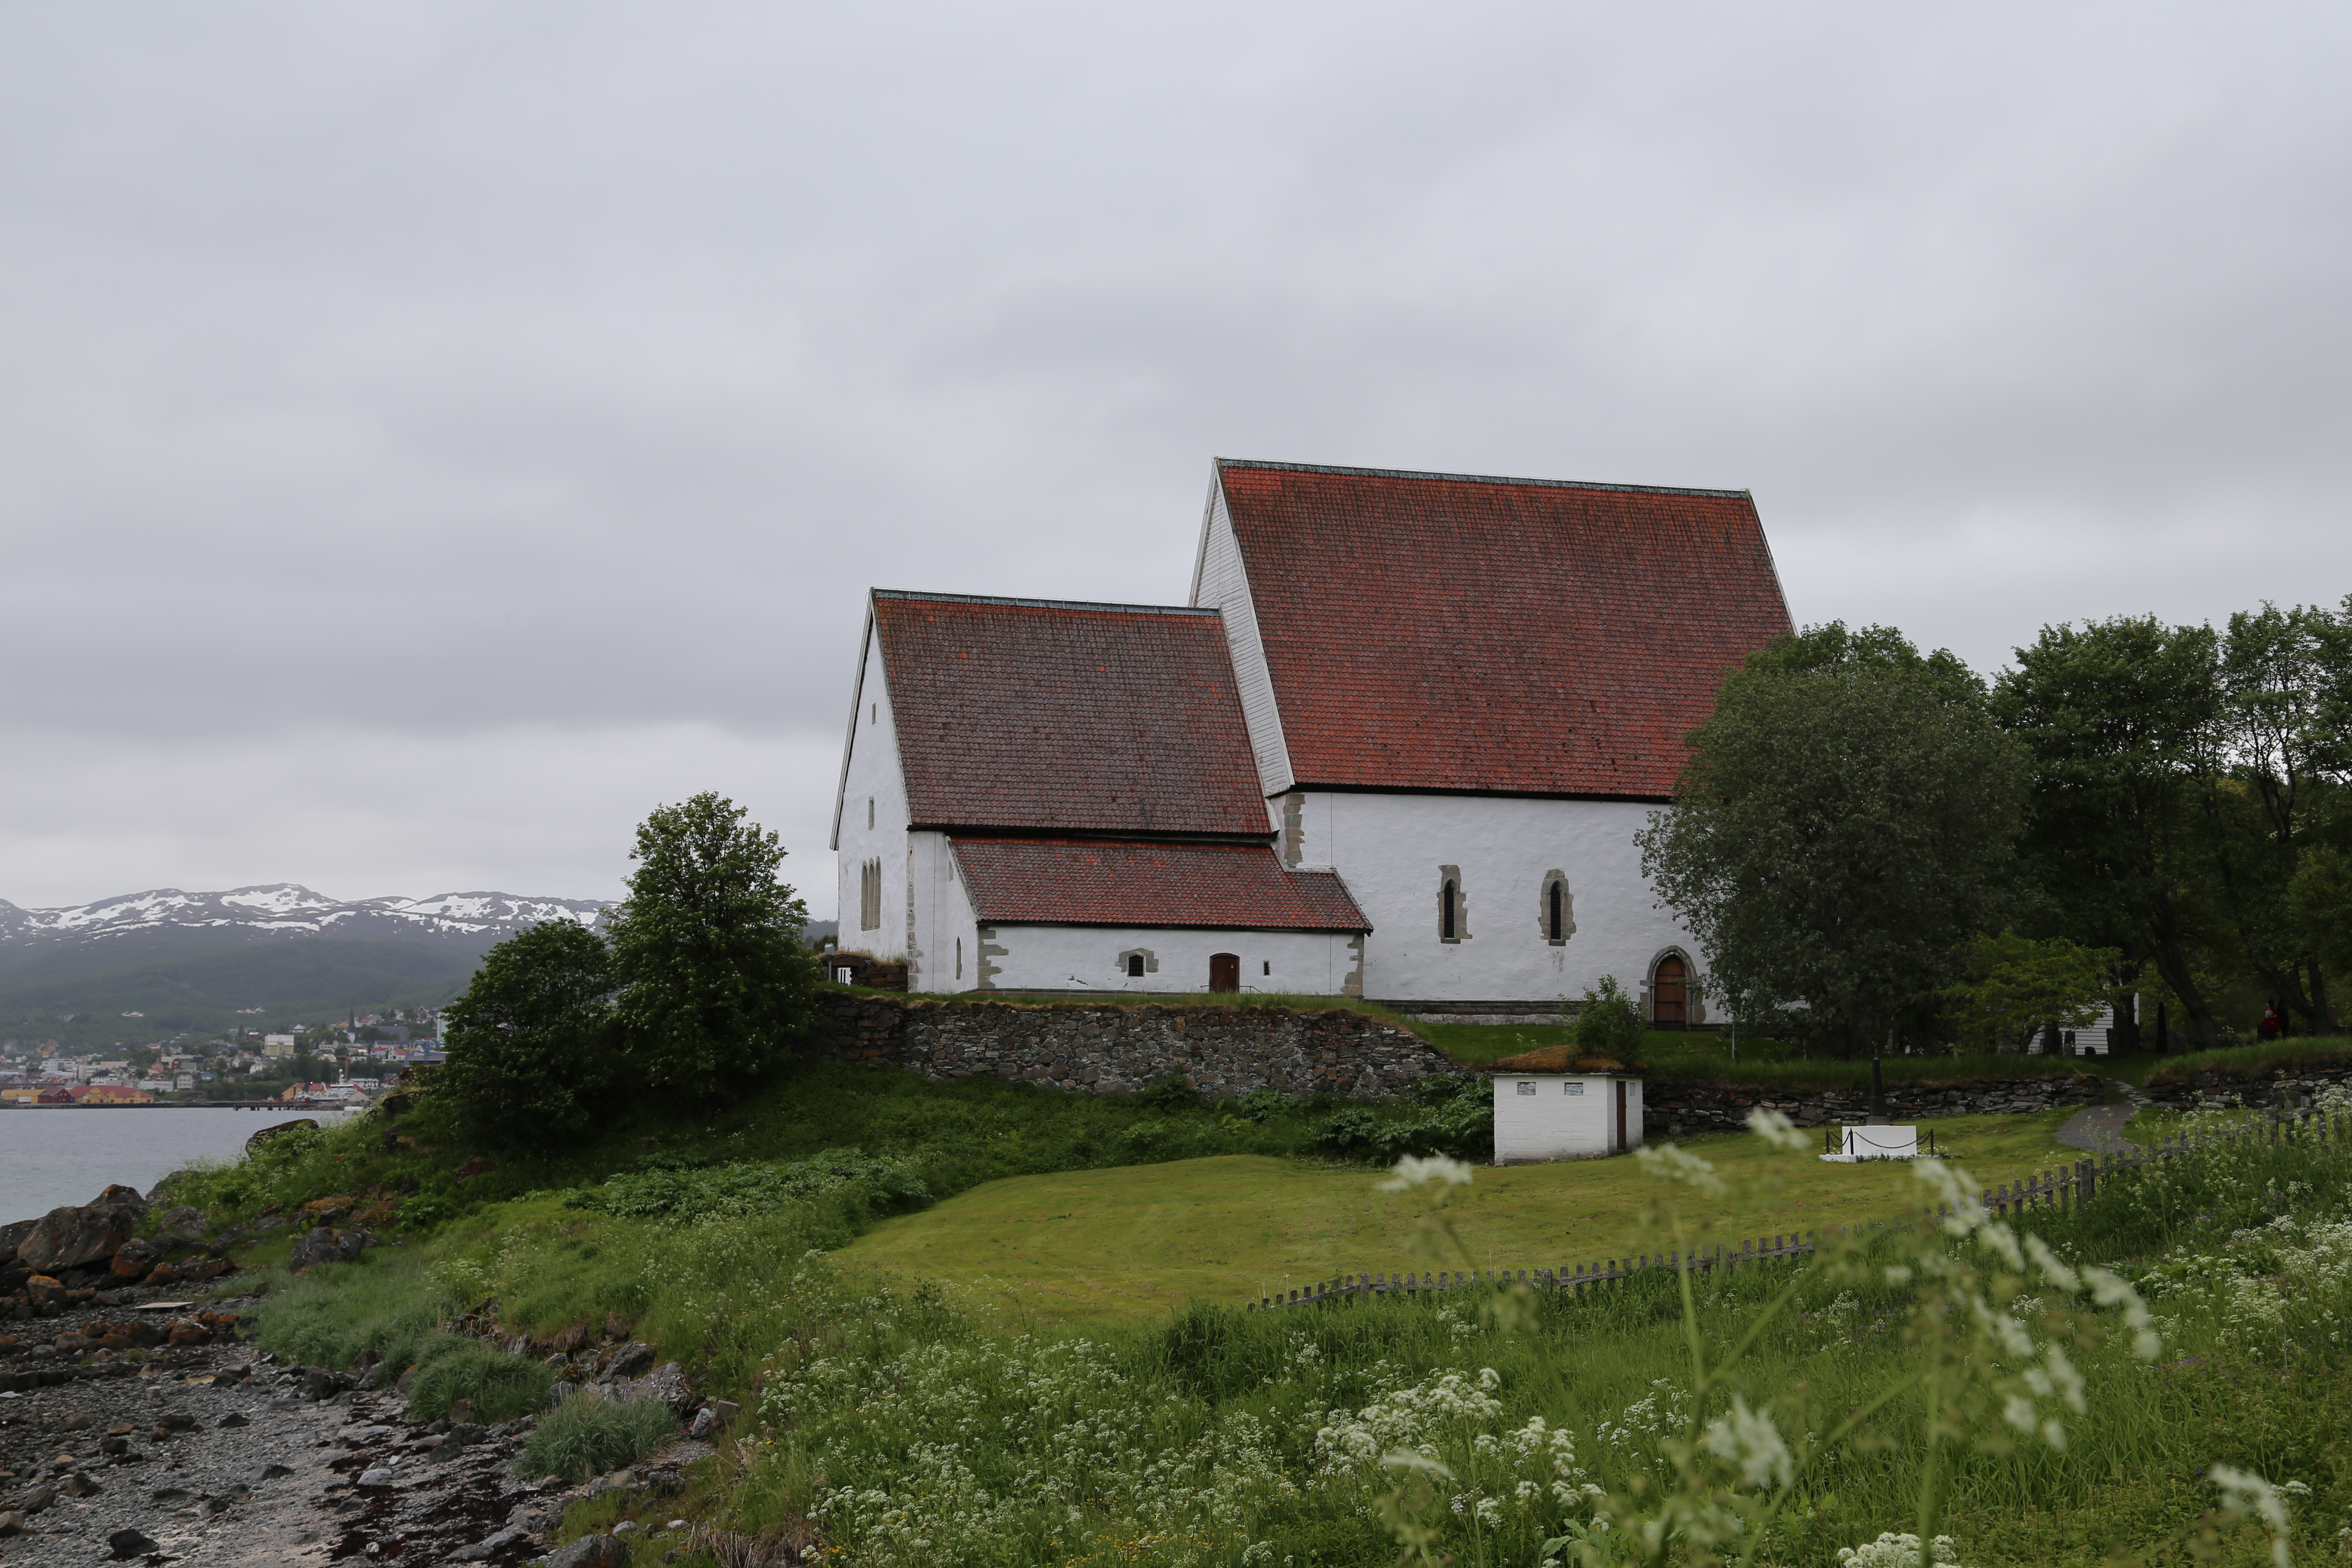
[1504, 637]
[1067, 718]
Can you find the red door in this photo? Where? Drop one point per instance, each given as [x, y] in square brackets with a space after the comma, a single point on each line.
[1668, 993]
[1620, 1115]
[1225, 971]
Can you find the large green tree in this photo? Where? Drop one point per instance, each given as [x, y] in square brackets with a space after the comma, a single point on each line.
[2117, 717]
[2274, 784]
[1846, 823]
[716, 989]
[534, 1054]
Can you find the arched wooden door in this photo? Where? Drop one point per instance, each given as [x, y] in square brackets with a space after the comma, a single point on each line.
[1225, 971]
[1670, 993]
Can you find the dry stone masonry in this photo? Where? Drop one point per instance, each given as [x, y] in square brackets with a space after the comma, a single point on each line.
[1108, 1049]
[1679, 1108]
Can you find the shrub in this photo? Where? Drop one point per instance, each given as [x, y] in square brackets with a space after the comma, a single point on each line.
[450, 1367]
[533, 1048]
[1610, 1023]
[1455, 1116]
[665, 1191]
[589, 1435]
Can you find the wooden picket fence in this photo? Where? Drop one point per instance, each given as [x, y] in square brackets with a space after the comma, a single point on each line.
[2062, 1188]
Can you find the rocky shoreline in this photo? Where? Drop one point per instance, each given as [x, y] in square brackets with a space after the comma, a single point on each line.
[137, 1423]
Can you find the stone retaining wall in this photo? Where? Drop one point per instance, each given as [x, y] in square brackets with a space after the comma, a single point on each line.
[1112, 1049]
[1682, 1108]
[2278, 1085]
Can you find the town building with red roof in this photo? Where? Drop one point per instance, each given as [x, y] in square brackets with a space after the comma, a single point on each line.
[1396, 746]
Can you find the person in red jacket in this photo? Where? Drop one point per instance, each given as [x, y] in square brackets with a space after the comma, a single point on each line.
[2272, 1027]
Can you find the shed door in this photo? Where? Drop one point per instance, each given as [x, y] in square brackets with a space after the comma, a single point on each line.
[1667, 990]
[1620, 1114]
[1225, 971]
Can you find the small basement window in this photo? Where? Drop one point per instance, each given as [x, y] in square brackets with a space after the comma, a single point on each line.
[1269, 969]
[1135, 966]
[1527, 1089]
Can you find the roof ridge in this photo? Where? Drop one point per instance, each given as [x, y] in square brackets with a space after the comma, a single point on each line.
[1042, 603]
[1480, 478]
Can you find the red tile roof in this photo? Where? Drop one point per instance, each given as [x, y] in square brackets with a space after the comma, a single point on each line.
[1050, 881]
[1068, 718]
[1447, 631]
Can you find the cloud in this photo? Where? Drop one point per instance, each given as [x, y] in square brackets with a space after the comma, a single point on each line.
[520, 379]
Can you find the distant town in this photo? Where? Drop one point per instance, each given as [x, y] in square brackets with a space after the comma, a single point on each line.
[319, 1066]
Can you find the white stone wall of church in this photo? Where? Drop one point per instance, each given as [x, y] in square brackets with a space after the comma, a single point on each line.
[1092, 958]
[872, 826]
[945, 948]
[1220, 582]
[1391, 850]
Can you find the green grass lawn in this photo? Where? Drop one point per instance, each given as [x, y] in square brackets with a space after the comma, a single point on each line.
[1086, 1247]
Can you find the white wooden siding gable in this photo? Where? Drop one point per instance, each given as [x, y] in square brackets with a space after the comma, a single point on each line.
[1220, 582]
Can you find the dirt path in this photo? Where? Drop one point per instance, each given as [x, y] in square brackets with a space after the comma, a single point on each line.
[2100, 1128]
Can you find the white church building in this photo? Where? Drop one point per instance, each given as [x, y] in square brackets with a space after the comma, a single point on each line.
[1396, 746]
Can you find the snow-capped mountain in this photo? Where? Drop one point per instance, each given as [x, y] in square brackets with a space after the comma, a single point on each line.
[288, 909]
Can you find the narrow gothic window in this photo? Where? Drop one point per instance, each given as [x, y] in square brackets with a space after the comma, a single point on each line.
[869, 811]
[1446, 899]
[959, 958]
[1269, 966]
[1555, 922]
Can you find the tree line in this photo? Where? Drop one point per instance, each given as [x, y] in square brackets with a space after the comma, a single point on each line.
[1873, 845]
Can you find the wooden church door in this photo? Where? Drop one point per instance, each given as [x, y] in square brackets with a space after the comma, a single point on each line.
[1669, 994]
[1225, 971]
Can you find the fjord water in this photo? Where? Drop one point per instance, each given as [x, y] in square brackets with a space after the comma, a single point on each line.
[49, 1158]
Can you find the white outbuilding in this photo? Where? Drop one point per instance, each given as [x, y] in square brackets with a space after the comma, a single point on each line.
[1552, 1105]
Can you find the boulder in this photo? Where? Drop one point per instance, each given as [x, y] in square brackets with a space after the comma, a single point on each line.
[135, 1259]
[125, 1544]
[11, 1523]
[628, 1360]
[185, 1224]
[77, 1237]
[327, 1244]
[13, 1236]
[590, 1552]
[668, 1384]
[267, 1134]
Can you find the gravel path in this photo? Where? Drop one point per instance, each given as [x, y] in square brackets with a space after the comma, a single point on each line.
[2099, 1128]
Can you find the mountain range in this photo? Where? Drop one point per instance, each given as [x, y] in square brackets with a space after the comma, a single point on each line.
[147, 965]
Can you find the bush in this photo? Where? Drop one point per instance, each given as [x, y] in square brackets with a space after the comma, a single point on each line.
[589, 1435]
[1609, 1024]
[450, 1367]
[1456, 1115]
[684, 1195]
[534, 1054]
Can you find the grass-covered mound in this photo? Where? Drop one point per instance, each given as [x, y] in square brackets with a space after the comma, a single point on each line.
[2301, 1053]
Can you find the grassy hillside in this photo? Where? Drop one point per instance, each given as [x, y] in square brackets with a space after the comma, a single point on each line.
[1134, 1243]
[905, 1417]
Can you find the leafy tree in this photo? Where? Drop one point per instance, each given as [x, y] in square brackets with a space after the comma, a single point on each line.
[2320, 900]
[715, 988]
[2276, 767]
[1846, 820]
[1609, 1024]
[2117, 717]
[534, 1054]
[2014, 985]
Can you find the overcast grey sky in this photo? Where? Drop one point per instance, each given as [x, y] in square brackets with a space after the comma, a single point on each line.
[430, 435]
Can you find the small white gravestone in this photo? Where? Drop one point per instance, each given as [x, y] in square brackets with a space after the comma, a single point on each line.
[1875, 1143]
